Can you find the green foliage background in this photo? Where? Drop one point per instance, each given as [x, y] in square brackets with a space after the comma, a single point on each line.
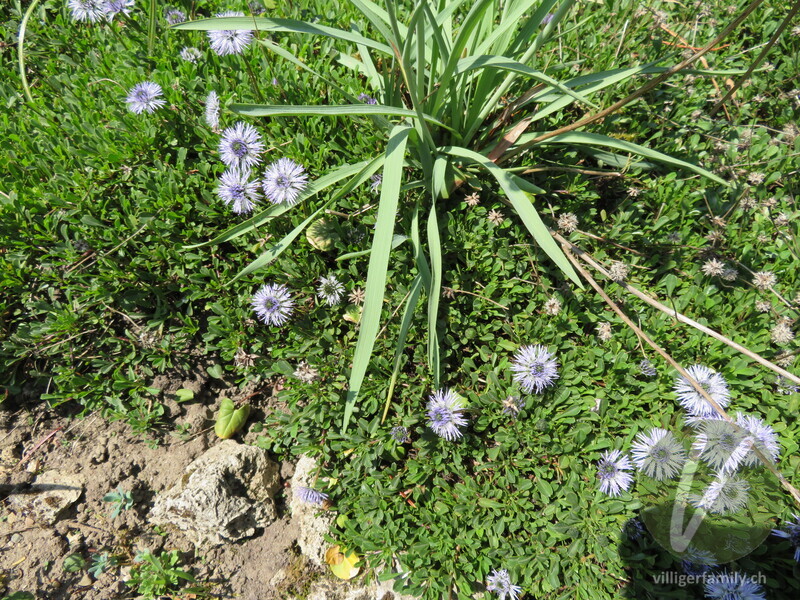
[99, 294]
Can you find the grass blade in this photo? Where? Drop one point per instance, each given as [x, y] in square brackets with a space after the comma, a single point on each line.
[405, 325]
[276, 110]
[524, 207]
[21, 50]
[378, 263]
[397, 239]
[596, 139]
[363, 171]
[280, 25]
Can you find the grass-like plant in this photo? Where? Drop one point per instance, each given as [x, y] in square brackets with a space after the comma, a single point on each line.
[459, 94]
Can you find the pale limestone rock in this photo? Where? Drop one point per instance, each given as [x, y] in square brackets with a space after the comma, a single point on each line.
[49, 495]
[226, 494]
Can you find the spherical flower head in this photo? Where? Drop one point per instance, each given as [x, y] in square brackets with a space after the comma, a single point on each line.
[241, 145]
[144, 97]
[763, 280]
[330, 290]
[257, 8]
[174, 16]
[567, 222]
[400, 434]
[366, 99]
[535, 368]
[604, 333]
[781, 334]
[273, 304]
[634, 528]
[732, 586]
[552, 307]
[499, 582]
[658, 454]
[791, 532]
[311, 496]
[697, 561]
[691, 400]
[724, 495]
[237, 191]
[112, 8]
[284, 180]
[647, 369]
[191, 54]
[713, 268]
[376, 179]
[730, 274]
[306, 373]
[444, 414]
[87, 10]
[764, 439]
[212, 110]
[612, 471]
[231, 41]
[512, 405]
[722, 445]
[618, 271]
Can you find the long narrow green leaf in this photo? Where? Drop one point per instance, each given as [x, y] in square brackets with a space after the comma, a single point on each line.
[279, 25]
[364, 169]
[505, 64]
[405, 325]
[434, 294]
[278, 110]
[471, 21]
[596, 139]
[278, 249]
[21, 51]
[524, 208]
[397, 239]
[296, 61]
[378, 17]
[151, 28]
[378, 263]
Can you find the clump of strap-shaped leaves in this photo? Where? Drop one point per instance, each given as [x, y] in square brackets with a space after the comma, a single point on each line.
[440, 77]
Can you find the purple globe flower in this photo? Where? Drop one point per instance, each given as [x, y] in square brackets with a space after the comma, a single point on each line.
[240, 146]
[311, 496]
[499, 582]
[273, 304]
[212, 110]
[112, 8]
[237, 191]
[732, 586]
[284, 180]
[144, 97]
[230, 41]
[87, 10]
[174, 16]
[444, 414]
[691, 400]
[612, 471]
[535, 368]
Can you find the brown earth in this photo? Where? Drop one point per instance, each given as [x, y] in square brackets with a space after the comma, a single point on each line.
[106, 455]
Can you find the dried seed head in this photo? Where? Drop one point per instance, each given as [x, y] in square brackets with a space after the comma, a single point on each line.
[618, 271]
[763, 280]
[567, 222]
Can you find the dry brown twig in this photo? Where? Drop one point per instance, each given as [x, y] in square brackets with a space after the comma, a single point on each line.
[571, 252]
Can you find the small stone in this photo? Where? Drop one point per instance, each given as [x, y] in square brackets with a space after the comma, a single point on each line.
[85, 581]
[225, 495]
[16, 538]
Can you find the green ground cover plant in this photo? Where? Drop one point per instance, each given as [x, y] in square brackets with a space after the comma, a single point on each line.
[121, 260]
